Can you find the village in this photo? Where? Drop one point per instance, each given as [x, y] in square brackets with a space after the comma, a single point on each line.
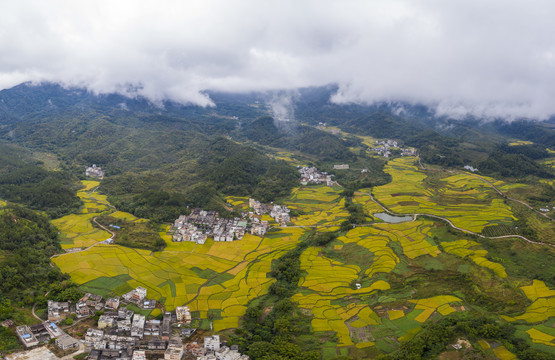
[201, 224]
[311, 175]
[385, 147]
[120, 333]
[95, 172]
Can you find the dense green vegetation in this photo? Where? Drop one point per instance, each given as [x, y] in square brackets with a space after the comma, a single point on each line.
[50, 191]
[291, 136]
[524, 260]
[160, 162]
[435, 336]
[27, 183]
[157, 205]
[140, 235]
[283, 332]
[223, 167]
[30, 240]
[239, 170]
[516, 162]
[356, 211]
[27, 240]
[8, 340]
[537, 132]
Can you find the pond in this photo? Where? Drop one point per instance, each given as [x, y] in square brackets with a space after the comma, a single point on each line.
[392, 219]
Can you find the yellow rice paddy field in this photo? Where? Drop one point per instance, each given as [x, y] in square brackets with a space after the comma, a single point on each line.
[464, 199]
[330, 280]
[543, 303]
[328, 294]
[214, 276]
[322, 205]
[77, 230]
[223, 277]
[540, 337]
[462, 248]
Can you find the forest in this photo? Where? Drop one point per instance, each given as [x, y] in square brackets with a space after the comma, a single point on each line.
[28, 183]
[27, 241]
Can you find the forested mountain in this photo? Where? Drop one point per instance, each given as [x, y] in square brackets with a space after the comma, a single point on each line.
[23, 180]
[166, 150]
[296, 137]
[161, 160]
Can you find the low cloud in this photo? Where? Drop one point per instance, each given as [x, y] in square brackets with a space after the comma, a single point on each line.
[483, 58]
[282, 105]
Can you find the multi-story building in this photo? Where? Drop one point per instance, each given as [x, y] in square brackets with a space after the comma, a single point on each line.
[183, 314]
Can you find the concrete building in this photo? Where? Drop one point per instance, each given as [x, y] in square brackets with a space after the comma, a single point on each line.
[212, 343]
[148, 304]
[183, 314]
[165, 330]
[93, 336]
[106, 321]
[124, 325]
[226, 353]
[157, 344]
[139, 355]
[135, 296]
[125, 313]
[82, 310]
[138, 326]
[57, 311]
[94, 171]
[66, 342]
[152, 328]
[112, 303]
[174, 350]
[26, 336]
[40, 332]
[53, 329]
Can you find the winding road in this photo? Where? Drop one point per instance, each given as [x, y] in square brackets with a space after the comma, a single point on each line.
[496, 189]
[415, 215]
[81, 348]
[97, 223]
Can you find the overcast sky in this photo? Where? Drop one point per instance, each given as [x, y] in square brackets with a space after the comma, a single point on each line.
[487, 58]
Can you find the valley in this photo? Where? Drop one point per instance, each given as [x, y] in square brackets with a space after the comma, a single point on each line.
[352, 287]
[408, 253]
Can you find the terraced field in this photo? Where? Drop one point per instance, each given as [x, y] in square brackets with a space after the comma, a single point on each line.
[77, 230]
[464, 199]
[541, 336]
[127, 216]
[367, 316]
[216, 276]
[543, 303]
[462, 248]
[370, 207]
[322, 205]
[352, 287]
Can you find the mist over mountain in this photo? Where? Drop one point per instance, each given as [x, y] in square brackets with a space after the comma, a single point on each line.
[489, 60]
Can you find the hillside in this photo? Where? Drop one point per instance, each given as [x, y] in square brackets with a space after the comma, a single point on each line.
[404, 257]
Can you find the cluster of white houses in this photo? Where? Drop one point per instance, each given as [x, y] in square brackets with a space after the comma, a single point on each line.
[311, 175]
[280, 213]
[201, 224]
[34, 335]
[125, 335]
[213, 350]
[90, 303]
[122, 334]
[383, 148]
[94, 171]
